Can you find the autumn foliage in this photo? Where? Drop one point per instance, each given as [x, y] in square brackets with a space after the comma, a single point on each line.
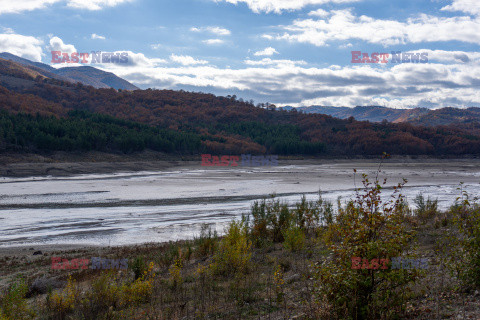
[230, 125]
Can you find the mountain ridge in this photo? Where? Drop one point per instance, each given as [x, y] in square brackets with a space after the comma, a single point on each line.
[418, 116]
[86, 75]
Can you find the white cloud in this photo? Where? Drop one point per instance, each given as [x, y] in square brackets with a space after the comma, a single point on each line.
[278, 6]
[213, 41]
[56, 44]
[139, 60]
[277, 62]
[96, 36]
[318, 13]
[342, 25]
[24, 46]
[345, 46]
[186, 60]
[9, 6]
[94, 4]
[219, 31]
[8, 30]
[450, 56]
[297, 83]
[468, 6]
[266, 52]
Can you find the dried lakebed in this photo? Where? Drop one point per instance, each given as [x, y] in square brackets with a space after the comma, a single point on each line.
[128, 208]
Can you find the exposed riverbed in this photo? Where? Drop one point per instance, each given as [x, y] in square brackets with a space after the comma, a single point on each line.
[157, 206]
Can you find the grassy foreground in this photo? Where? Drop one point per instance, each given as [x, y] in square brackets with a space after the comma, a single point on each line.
[279, 262]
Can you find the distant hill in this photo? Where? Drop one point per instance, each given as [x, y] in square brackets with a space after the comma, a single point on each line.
[85, 74]
[446, 116]
[419, 116]
[365, 113]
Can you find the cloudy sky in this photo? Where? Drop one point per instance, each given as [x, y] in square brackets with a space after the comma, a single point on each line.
[287, 52]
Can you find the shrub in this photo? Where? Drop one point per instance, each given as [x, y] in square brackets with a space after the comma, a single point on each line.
[43, 285]
[140, 290]
[176, 272]
[105, 293]
[168, 254]
[14, 304]
[270, 219]
[234, 252]
[370, 228]
[325, 210]
[108, 293]
[207, 241]
[306, 215]
[465, 253]
[294, 238]
[62, 303]
[425, 209]
[138, 266]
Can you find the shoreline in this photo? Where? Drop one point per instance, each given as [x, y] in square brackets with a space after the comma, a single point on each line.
[63, 164]
[49, 249]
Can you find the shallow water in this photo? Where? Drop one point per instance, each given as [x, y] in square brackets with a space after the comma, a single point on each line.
[132, 208]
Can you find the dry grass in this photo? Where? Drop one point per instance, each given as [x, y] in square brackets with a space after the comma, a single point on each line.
[181, 280]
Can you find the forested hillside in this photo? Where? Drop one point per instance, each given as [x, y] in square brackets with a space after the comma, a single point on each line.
[165, 120]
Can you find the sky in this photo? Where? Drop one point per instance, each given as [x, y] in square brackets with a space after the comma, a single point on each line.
[286, 52]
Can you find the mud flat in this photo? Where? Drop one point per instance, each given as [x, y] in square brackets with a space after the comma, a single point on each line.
[171, 200]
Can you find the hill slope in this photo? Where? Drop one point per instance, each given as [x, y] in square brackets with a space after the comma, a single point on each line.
[220, 125]
[423, 116]
[86, 75]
